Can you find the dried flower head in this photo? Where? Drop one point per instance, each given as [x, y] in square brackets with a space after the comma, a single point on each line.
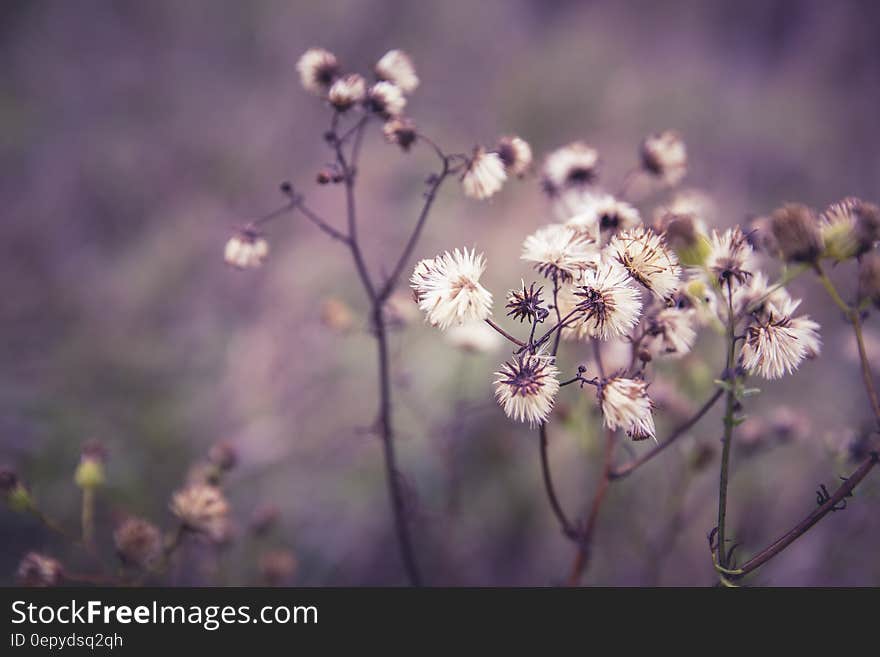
[526, 304]
[869, 278]
[278, 566]
[626, 405]
[484, 174]
[474, 338]
[729, 261]
[644, 255]
[686, 235]
[608, 306]
[777, 346]
[671, 332]
[559, 253]
[526, 388]
[796, 232]
[447, 288]
[515, 154]
[604, 216]
[318, 68]
[849, 228]
[37, 569]
[664, 155]
[138, 542]
[347, 91]
[386, 100]
[201, 508]
[574, 165]
[246, 250]
[401, 131]
[396, 67]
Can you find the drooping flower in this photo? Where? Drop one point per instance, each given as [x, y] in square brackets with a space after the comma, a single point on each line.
[386, 100]
[574, 165]
[730, 258]
[317, 68]
[664, 155]
[347, 91]
[447, 288]
[626, 405]
[247, 249]
[396, 67]
[646, 258]
[557, 251]
[516, 154]
[608, 306]
[484, 175]
[526, 387]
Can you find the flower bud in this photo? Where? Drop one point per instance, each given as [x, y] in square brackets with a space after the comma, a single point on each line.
[683, 236]
[17, 495]
[796, 231]
[90, 471]
[223, 455]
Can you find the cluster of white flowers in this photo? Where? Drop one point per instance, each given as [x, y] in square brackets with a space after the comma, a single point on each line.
[615, 278]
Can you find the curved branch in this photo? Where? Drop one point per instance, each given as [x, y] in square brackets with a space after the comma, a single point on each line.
[567, 528]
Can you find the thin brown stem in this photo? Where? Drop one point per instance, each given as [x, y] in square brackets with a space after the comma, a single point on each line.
[567, 528]
[585, 544]
[507, 335]
[844, 491]
[628, 468]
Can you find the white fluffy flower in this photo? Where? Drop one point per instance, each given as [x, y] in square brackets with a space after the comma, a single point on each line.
[730, 258]
[526, 388]
[573, 165]
[347, 91]
[202, 508]
[559, 252]
[474, 337]
[671, 332]
[246, 250]
[604, 215]
[317, 69]
[777, 347]
[447, 288]
[626, 405]
[665, 156]
[396, 67]
[643, 254]
[516, 154]
[608, 306]
[484, 175]
[386, 99]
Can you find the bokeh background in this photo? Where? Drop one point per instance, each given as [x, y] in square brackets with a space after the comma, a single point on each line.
[137, 135]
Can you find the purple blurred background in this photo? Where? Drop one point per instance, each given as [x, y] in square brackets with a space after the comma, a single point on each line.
[137, 135]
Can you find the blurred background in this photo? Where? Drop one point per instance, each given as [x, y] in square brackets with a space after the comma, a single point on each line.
[137, 135]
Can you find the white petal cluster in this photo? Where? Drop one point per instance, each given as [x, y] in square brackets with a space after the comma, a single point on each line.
[574, 165]
[603, 215]
[730, 260]
[516, 154]
[644, 255]
[557, 251]
[607, 305]
[246, 250]
[386, 99]
[347, 91]
[395, 66]
[626, 405]
[484, 175]
[526, 388]
[671, 332]
[447, 288]
[317, 68]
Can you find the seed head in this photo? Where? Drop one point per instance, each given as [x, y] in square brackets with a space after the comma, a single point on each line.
[796, 232]
[664, 155]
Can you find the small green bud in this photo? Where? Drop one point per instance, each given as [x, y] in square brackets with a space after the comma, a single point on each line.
[89, 473]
